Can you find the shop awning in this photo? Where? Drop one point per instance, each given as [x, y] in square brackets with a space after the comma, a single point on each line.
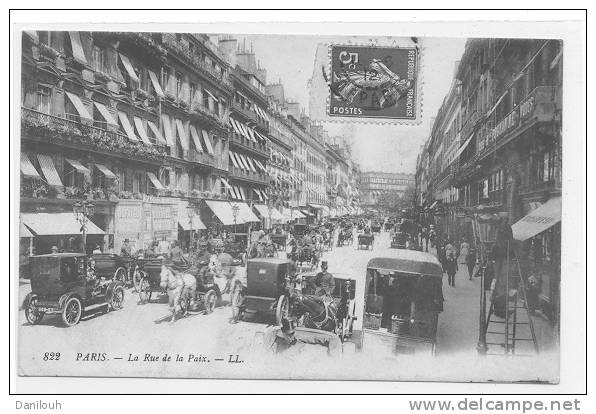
[155, 83]
[107, 115]
[223, 211]
[24, 231]
[538, 220]
[317, 206]
[264, 194]
[53, 224]
[156, 183]
[246, 213]
[277, 216]
[167, 128]
[225, 183]
[258, 193]
[27, 167]
[185, 222]
[297, 214]
[49, 170]
[233, 159]
[262, 209]
[195, 138]
[141, 130]
[130, 133]
[106, 171]
[182, 135]
[157, 133]
[79, 106]
[129, 69]
[234, 126]
[79, 167]
[250, 164]
[261, 166]
[207, 140]
[77, 47]
[306, 213]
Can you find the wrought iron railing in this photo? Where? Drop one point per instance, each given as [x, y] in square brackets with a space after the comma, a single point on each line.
[257, 177]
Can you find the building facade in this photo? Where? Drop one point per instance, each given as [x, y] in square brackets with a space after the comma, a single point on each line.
[506, 152]
[373, 184]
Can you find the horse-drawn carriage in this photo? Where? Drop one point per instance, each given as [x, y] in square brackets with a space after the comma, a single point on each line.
[334, 313]
[235, 247]
[305, 254]
[366, 241]
[399, 240]
[376, 227]
[345, 237]
[110, 265]
[279, 241]
[66, 284]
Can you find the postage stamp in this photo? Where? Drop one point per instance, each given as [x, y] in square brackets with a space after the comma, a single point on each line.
[373, 82]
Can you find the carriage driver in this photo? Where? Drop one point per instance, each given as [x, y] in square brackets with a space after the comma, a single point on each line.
[324, 283]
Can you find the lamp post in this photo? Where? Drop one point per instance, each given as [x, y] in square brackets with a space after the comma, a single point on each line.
[235, 210]
[82, 210]
[190, 211]
[270, 210]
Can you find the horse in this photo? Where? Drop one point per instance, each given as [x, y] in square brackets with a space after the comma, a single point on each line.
[181, 289]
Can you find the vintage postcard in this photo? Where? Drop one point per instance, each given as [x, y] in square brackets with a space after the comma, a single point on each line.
[201, 204]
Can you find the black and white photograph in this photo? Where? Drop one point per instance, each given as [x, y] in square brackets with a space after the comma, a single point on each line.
[212, 204]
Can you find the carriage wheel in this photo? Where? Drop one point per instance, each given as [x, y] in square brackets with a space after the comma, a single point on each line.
[71, 314]
[210, 300]
[282, 310]
[31, 313]
[137, 277]
[117, 299]
[120, 274]
[144, 290]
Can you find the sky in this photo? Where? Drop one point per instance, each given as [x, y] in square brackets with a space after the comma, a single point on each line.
[389, 147]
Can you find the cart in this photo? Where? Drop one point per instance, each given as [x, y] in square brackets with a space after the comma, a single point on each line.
[365, 241]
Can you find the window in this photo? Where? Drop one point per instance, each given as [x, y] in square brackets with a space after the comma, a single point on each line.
[165, 76]
[193, 90]
[205, 99]
[179, 82]
[98, 59]
[43, 99]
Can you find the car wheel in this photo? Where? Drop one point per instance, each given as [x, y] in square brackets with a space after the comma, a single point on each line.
[71, 314]
[282, 310]
[210, 300]
[117, 299]
[144, 290]
[31, 313]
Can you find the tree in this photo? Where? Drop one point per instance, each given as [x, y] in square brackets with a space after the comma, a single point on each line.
[393, 202]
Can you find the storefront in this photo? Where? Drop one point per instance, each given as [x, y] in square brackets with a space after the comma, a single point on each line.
[540, 234]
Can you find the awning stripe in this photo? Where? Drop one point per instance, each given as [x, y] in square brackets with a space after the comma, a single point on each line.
[154, 180]
[195, 138]
[105, 171]
[207, 140]
[79, 106]
[223, 211]
[211, 95]
[127, 126]
[225, 183]
[235, 126]
[182, 135]
[27, 167]
[233, 159]
[78, 166]
[77, 48]
[129, 69]
[252, 166]
[258, 193]
[155, 83]
[167, 127]
[538, 220]
[141, 130]
[105, 113]
[49, 170]
[157, 133]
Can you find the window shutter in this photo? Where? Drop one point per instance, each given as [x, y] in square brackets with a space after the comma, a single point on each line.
[57, 107]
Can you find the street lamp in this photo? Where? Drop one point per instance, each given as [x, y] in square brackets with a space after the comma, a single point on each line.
[270, 210]
[235, 210]
[190, 211]
[82, 210]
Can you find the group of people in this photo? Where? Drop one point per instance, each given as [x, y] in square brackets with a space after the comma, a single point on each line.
[451, 256]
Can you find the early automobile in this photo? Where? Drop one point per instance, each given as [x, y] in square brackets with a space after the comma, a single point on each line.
[66, 284]
[399, 240]
[402, 302]
[267, 287]
[365, 241]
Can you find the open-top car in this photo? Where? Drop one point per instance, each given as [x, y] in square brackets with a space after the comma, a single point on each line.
[66, 284]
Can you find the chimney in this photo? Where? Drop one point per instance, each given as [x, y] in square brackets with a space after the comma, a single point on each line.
[294, 110]
[227, 46]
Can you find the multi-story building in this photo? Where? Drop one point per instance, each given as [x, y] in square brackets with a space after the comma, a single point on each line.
[509, 155]
[135, 122]
[373, 184]
[249, 142]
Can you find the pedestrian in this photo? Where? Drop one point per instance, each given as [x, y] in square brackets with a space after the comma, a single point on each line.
[451, 268]
[441, 252]
[450, 249]
[471, 261]
[464, 249]
[97, 250]
[424, 238]
[237, 299]
[126, 250]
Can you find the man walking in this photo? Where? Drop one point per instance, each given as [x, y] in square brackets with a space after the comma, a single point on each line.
[471, 261]
[451, 268]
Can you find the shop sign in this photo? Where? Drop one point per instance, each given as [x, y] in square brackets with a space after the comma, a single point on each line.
[161, 217]
[128, 218]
